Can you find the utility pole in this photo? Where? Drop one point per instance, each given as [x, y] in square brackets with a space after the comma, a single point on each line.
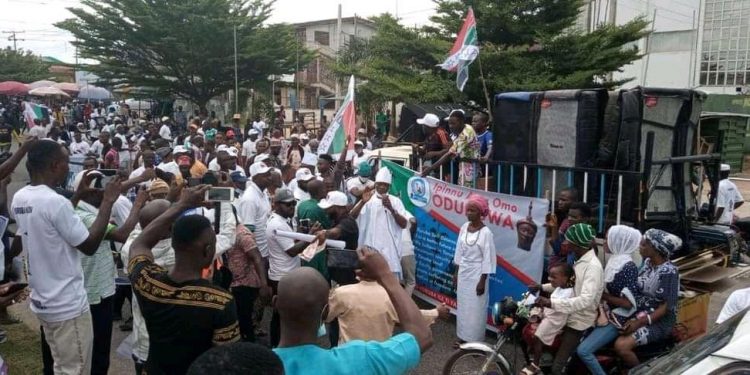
[338, 52]
[13, 38]
[236, 79]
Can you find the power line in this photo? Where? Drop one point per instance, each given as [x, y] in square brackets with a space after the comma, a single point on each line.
[661, 16]
[649, 4]
[14, 38]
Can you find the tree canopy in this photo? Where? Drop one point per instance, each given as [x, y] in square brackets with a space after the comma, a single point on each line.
[22, 66]
[524, 45]
[183, 47]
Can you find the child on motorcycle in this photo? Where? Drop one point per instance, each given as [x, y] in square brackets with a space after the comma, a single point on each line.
[561, 276]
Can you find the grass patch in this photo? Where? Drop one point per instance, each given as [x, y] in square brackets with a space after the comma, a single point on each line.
[22, 352]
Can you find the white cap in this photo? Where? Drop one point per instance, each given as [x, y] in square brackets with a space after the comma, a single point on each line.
[253, 131]
[232, 151]
[359, 143]
[294, 136]
[304, 136]
[384, 175]
[430, 120]
[221, 147]
[461, 111]
[334, 198]
[261, 157]
[310, 159]
[304, 174]
[726, 168]
[180, 149]
[259, 167]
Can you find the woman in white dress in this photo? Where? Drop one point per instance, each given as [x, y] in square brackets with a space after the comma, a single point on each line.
[475, 259]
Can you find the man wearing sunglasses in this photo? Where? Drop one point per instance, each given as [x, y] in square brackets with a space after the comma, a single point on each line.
[282, 251]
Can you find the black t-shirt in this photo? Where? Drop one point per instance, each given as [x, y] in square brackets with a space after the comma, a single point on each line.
[6, 133]
[183, 319]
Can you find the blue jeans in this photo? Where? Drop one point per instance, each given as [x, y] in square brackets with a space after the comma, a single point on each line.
[599, 337]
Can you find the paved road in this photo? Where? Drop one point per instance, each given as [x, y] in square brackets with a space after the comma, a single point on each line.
[432, 361]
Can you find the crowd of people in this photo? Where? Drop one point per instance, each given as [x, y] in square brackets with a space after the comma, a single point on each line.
[201, 273]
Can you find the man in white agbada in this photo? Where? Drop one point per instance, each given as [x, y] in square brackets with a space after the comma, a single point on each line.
[381, 217]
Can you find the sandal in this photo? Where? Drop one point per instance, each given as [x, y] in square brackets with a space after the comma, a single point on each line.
[531, 369]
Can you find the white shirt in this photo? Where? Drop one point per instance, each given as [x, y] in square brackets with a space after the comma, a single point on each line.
[50, 231]
[97, 148]
[357, 160]
[379, 230]
[248, 148]
[170, 167]
[356, 183]
[737, 301]
[79, 148]
[407, 245]
[584, 307]
[137, 173]
[728, 196]
[165, 132]
[254, 209]
[280, 263]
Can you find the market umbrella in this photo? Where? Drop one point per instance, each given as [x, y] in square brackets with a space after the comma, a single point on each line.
[42, 83]
[13, 88]
[70, 88]
[48, 91]
[93, 92]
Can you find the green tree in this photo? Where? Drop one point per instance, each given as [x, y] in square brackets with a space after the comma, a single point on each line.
[183, 47]
[535, 45]
[22, 66]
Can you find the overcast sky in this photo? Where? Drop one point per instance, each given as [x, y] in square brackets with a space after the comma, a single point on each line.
[36, 19]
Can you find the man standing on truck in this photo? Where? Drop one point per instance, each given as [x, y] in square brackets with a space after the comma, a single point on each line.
[437, 143]
[728, 199]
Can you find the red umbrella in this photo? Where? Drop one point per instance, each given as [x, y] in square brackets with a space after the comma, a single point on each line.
[13, 88]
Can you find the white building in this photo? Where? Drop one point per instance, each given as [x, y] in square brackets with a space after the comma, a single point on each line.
[695, 44]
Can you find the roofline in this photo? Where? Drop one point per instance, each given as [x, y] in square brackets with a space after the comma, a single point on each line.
[334, 20]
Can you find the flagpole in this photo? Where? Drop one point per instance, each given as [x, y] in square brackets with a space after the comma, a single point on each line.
[484, 87]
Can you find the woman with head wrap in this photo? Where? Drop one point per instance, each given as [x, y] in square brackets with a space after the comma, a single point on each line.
[620, 286]
[658, 283]
[475, 258]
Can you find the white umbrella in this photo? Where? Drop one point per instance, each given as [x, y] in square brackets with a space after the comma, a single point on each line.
[93, 92]
[69, 87]
[42, 83]
[48, 91]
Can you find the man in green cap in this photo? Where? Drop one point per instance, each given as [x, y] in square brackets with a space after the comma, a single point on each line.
[308, 213]
[357, 185]
[583, 308]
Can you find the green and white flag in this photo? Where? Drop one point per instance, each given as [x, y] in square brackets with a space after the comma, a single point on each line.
[465, 50]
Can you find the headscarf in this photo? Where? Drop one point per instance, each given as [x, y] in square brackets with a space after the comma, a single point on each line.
[664, 242]
[480, 203]
[622, 241]
[581, 235]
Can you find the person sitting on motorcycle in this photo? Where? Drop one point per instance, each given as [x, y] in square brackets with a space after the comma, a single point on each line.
[658, 284]
[553, 322]
[620, 276]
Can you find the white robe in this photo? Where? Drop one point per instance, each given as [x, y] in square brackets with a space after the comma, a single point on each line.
[379, 230]
[475, 255]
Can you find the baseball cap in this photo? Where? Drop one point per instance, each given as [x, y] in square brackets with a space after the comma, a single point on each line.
[304, 136]
[165, 118]
[259, 167]
[238, 177]
[232, 151]
[294, 136]
[236, 116]
[304, 174]
[180, 149]
[430, 120]
[725, 167]
[284, 195]
[334, 198]
[461, 111]
[359, 143]
[253, 131]
[364, 169]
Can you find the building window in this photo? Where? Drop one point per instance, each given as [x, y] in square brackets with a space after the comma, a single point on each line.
[725, 53]
[323, 38]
